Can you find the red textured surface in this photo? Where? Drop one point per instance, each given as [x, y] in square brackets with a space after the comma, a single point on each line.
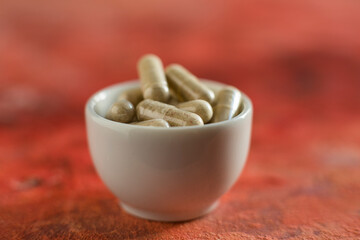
[298, 60]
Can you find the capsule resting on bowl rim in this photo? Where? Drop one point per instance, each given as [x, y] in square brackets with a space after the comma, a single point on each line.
[228, 103]
[200, 107]
[152, 77]
[150, 109]
[187, 85]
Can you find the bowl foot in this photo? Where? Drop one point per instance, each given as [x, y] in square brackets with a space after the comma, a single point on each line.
[167, 217]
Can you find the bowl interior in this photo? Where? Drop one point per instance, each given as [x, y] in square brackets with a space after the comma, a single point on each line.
[101, 101]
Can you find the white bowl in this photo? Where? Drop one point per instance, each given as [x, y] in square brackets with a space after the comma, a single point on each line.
[166, 174]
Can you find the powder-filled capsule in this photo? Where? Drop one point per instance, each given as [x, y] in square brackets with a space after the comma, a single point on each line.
[200, 107]
[153, 123]
[187, 85]
[152, 77]
[150, 109]
[121, 111]
[228, 102]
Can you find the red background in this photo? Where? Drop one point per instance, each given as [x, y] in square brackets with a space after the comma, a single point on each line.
[298, 60]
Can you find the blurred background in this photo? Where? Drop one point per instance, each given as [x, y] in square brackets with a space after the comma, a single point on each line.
[299, 61]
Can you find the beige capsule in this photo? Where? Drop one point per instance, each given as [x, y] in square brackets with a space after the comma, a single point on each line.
[133, 95]
[187, 85]
[150, 109]
[121, 111]
[200, 107]
[153, 123]
[228, 102]
[152, 77]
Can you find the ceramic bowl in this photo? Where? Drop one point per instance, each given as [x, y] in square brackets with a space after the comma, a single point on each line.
[166, 174]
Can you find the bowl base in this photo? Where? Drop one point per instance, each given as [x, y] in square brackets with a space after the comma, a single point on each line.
[167, 217]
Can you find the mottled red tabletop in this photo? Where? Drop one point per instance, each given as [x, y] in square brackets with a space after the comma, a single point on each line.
[299, 61]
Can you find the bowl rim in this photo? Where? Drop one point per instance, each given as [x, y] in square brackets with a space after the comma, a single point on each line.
[101, 94]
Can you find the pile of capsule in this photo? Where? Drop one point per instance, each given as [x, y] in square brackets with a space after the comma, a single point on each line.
[172, 98]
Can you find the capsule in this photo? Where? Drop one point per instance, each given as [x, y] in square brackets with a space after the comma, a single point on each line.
[187, 85]
[200, 107]
[153, 123]
[152, 77]
[121, 111]
[150, 109]
[228, 102]
[133, 95]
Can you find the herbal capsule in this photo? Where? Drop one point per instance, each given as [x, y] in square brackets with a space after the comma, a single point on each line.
[153, 123]
[228, 102]
[150, 109]
[152, 77]
[133, 95]
[200, 107]
[187, 85]
[121, 111]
